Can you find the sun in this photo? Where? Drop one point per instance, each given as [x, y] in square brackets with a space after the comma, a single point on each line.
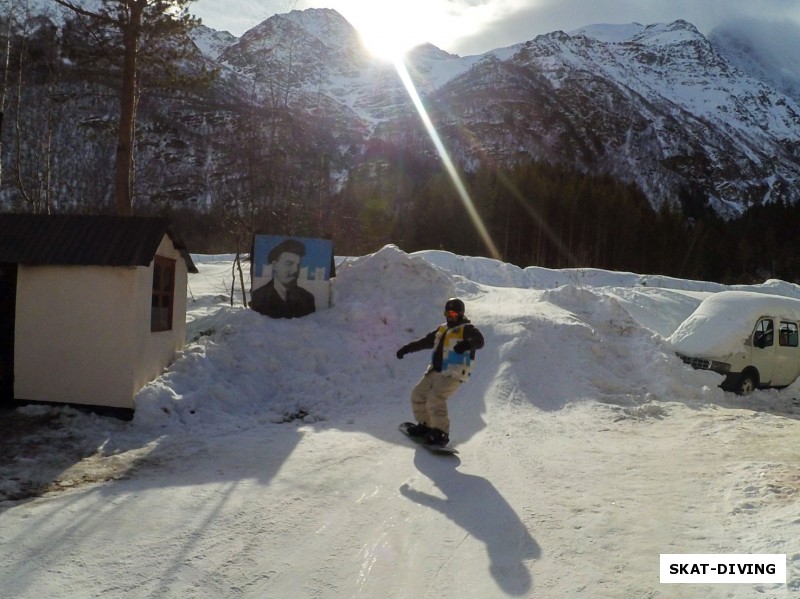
[389, 30]
[386, 45]
[387, 36]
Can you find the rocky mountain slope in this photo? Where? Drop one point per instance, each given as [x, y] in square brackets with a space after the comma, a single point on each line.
[655, 105]
[660, 106]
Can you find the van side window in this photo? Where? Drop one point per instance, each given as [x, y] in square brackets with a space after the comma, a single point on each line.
[765, 333]
[787, 335]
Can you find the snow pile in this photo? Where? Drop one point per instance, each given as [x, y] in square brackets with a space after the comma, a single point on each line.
[231, 376]
[622, 361]
[573, 342]
[389, 287]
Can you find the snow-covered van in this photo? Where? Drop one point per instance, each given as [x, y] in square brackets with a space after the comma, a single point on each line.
[751, 338]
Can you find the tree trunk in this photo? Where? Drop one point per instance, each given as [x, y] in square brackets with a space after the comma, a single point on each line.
[123, 173]
[7, 62]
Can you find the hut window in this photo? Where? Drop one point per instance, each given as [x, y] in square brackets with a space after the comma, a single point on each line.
[163, 294]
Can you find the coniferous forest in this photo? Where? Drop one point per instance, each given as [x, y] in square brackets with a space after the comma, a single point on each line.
[541, 215]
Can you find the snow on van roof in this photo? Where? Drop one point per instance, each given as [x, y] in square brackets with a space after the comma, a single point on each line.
[723, 322]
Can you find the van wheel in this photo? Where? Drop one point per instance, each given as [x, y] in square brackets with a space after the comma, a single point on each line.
[748, 382]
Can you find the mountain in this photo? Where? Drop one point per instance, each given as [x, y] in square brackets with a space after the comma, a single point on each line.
[673, 110]
[660, 106]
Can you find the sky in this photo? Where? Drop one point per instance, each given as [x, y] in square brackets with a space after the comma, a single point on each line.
[467, 27]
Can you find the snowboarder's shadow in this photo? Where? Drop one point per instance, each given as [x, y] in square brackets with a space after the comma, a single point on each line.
[476, 506]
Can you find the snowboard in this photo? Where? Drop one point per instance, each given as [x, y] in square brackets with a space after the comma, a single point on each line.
[432, 448]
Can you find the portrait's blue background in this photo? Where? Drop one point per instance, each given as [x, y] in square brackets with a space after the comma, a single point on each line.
[318, 255]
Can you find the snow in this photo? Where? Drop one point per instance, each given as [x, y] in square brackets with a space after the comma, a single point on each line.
[210, 42]
[265, 461]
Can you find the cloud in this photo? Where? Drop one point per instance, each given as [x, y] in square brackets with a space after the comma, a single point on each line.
[535, 17]
[770, 49]
[238, 16]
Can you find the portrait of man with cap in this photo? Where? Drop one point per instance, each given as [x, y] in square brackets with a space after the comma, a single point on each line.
[282, 297]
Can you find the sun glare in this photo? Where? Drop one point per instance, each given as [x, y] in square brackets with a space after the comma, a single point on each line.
[463, 194]
[390, 30]
[385, 39]
[390, 35]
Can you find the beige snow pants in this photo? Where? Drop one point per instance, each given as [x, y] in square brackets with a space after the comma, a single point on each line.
[429, 399]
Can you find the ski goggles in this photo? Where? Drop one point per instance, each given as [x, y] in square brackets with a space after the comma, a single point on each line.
[451, 314]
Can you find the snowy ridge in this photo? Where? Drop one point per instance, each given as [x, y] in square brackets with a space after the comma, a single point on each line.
[676, 107]
[673, 78]
[211, 42]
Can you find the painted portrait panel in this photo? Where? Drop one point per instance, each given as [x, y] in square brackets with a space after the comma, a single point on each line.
[290, 275]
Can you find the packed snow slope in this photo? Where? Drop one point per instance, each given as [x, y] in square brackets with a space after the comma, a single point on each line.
[266, 461]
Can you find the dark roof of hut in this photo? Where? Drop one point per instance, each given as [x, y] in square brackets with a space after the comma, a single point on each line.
[69, 239]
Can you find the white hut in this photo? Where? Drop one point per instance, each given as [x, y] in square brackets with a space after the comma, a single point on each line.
[91, 307]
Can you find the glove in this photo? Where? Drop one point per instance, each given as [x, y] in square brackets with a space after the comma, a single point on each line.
[401, 352]
[461, 347]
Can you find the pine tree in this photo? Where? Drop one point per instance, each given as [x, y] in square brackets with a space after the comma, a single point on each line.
[125, 33]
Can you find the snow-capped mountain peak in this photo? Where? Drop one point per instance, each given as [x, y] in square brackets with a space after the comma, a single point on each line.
[660, 105]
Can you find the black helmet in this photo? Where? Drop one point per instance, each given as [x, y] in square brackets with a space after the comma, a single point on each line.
[455, 305]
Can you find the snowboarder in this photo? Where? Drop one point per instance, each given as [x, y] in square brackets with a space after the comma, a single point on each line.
[454, 344]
